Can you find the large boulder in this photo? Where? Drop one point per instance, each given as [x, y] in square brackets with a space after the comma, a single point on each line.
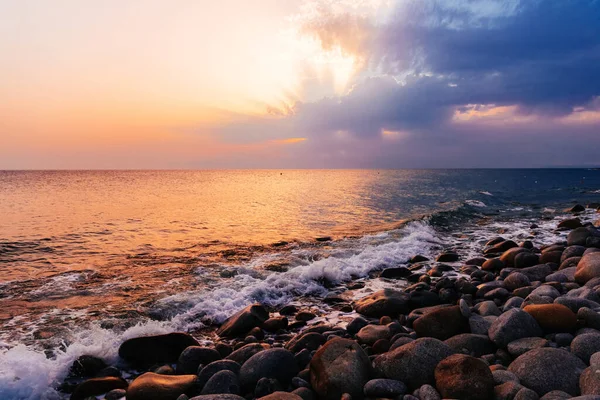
[242, 322]
[442, 323]
[553, 317]
[464, 377]
[547, 369]
[275, 363]
[97, 386]
[160, 349]
[386, 302]
[162, 387]
[512, 325]
[340, 366]
[413, 363]
[588, 268]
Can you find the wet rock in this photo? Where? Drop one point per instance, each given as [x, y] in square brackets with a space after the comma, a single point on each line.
[503, 376]
[486, 308]
[288, 310]
[500, 247]
[86, 366]
[395, 273]
[479, 325]
[464, 377]
[340, 366]
[508, 257]
[588, 268]
[384, 388]
[516, 280]
[223, 349]
[115, 394]
[356, 325]
[522, 346]
[512, 325]
[417, 259]
[275, 324]
[493, 264]
[575, 303]
[164, 370]
[589, 381]
[578, 236]
[547, 369]
[476, 261]
[222, 382]
[193, 356]
[442, 323]
[572, 251]
[526, 259]
[160, 349]
[384, 302]
[309, 340]
[97, 386]
[590, 317]
[553, 317]
[244, 353]
[242, 322]
[162, 387]
[537, 272]
[305, 316]
[372, 333]
[583, 346]
[414, 363]
[448, 256]
[471, 344]
[205, 373]
[266, 386]
[570, 223]
[551, 257]
[275, 363]
[281, 396]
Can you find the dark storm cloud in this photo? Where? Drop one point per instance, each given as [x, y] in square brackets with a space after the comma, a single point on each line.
[542, 56]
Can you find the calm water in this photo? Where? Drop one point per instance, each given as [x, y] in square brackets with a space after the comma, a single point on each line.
[85, 255]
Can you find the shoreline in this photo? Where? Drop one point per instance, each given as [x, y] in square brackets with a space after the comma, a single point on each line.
[501, 308]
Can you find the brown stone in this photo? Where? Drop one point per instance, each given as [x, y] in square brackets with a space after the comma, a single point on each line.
[464, 377]
[553, 317]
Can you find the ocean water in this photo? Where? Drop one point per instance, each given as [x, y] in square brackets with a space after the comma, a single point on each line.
[90, 258]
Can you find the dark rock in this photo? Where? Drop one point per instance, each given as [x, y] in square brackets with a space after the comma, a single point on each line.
[572, 251]
[569, 263]
[526, 259]
[309, 340]
[547, 369]
[471, 344]
[266, 386]
[275, 363]
[86, 366]
[550, 257]
[162, 387]
[164, 370]
[244, 353]
[193, 356]
[522, 346]
[281, 396]
[381, 346]
[442, 323]
[590, 317]
[507, 390]
[305, 316]
[503, 376]
[553, 317]
[97, 386]
[464, 377]
[395, 273]
[109, 371]
[500, 247]
[578, 236]
[476, 261]
[423, 298]
[384, 388]
[479, 325]
[222, 382]
[516, 280]
[223, 349]
[556, 395]
[304, 393]
[486, 308]
[575, 303]
[577, 208]
[288, 310]
[418, 258]
[493, 264]
[428, 392]
[526, 394]
[356, 325]
[340, 366]
[512, 325]
[242, 322]
[372, 333]
[115, 394]
[205, 373]
[508, 257]
[537, 272]
[384, 302]
[583, 346]
[448, 256]
[148, 350]
[414, 363]
[218, 397]
[588, 268]
[275, 324]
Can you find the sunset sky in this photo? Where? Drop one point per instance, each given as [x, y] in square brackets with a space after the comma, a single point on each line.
[299, 84]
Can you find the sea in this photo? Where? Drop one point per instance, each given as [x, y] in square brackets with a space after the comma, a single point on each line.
[91, 258]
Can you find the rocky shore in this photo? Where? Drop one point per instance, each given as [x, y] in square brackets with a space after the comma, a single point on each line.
[519, 322]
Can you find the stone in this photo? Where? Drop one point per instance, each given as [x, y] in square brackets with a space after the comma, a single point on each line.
[304, 393]
[448, 256]
[288, 310]
[502, 376]
[193, 356]
[384, 388]
[486, 308]
[86, 366]
[578, 236]
[217, 397]
[97, 386]
[428, 392]
[516, 280]
[245, 352]
[464, 377]
[553, 317]
[305, 316]
[572, 251]
[547, 369]
[274, 363]
[281, 396]
[537, 272]
[508, 257]
[383, 302]
[465, 310]
[266, 386]
[512, 325]
[340, 366]
[162, 387]
[588, 268]
[115, 394]
[526, 259]
[570, 223]
[275, 324]
[309, 340]
[493, 264]
[575, 303]
[471, 344]
[205, 373]
[589, 381]
[556, 395]
[522, 346]
[160, 349]
[479, 325]
[590, 317]
[442, 323]
[356, 325]
[507, 390]
[222, 382]
[413, 363]
[583, 346]
[500, 247]
[372, 333]
[395, 273]
[526, 394]
[243, 321]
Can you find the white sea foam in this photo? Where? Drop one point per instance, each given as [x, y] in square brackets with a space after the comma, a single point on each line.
[475, 203]
[486, 193]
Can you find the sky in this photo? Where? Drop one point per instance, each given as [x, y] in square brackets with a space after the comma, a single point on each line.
[109, 84]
